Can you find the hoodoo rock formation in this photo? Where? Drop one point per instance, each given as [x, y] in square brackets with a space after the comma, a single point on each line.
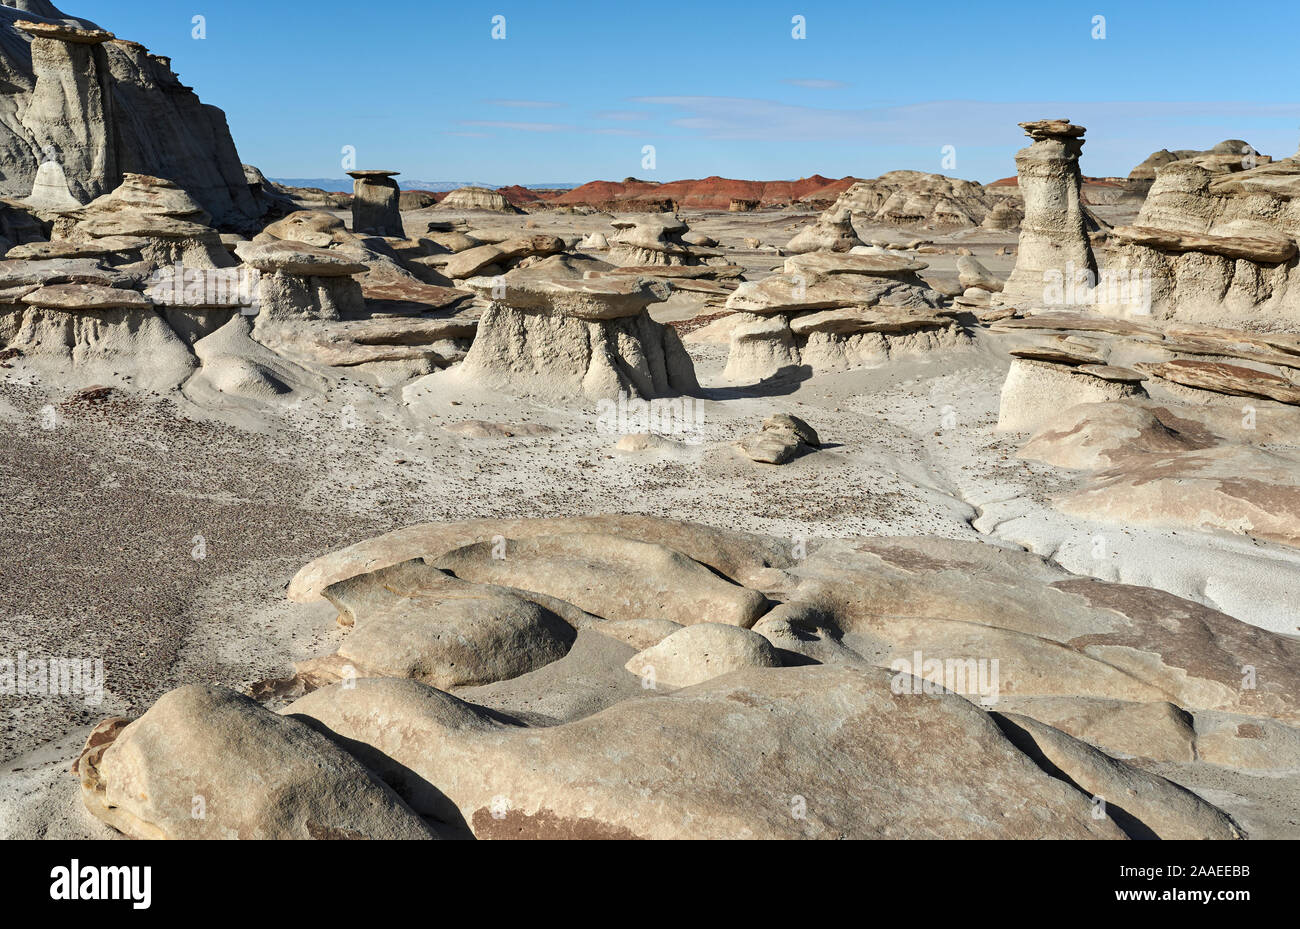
[650, 239]
[577, 339]
[1054, 243]
[1002, 560]
[376, 202]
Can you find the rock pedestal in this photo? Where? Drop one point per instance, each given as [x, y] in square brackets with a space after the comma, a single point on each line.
[300, 282]
[1053, 234]
[650, 239]
[376, 204]
[71, 109]
[578, 339]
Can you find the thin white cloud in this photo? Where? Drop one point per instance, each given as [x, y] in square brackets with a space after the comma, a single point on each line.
[962, 122]
[813, 83]
[517, 126]
[526, 104]
[624, 116]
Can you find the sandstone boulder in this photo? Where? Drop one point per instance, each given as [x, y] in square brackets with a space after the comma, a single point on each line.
[972, 273]
[671, 767]
[1234, 380]
[473, 261]
[1099, 436]
[610, 577]
[699, 653]
[297, 259]
[782, 439]
[207, 763]
[832, 232]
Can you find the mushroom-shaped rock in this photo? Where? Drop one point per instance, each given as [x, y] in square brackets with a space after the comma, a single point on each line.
[1036, 391]
[702, 652]
[596, 299]
[571, 339]
[301, 282]
[376, 203]
[649, 239]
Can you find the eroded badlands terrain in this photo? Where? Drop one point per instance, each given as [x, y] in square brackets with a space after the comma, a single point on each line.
[904, 507]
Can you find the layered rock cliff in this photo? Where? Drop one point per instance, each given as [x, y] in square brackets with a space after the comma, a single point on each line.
[103, 107]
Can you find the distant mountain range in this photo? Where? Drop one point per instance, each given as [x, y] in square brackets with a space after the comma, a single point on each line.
[344, 184]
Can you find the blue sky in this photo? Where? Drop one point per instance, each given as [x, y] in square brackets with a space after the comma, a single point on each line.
[577, 89]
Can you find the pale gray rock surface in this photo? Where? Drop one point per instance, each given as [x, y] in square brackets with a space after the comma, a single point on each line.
[108, 107]
[1054, 240]
[250, 773]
